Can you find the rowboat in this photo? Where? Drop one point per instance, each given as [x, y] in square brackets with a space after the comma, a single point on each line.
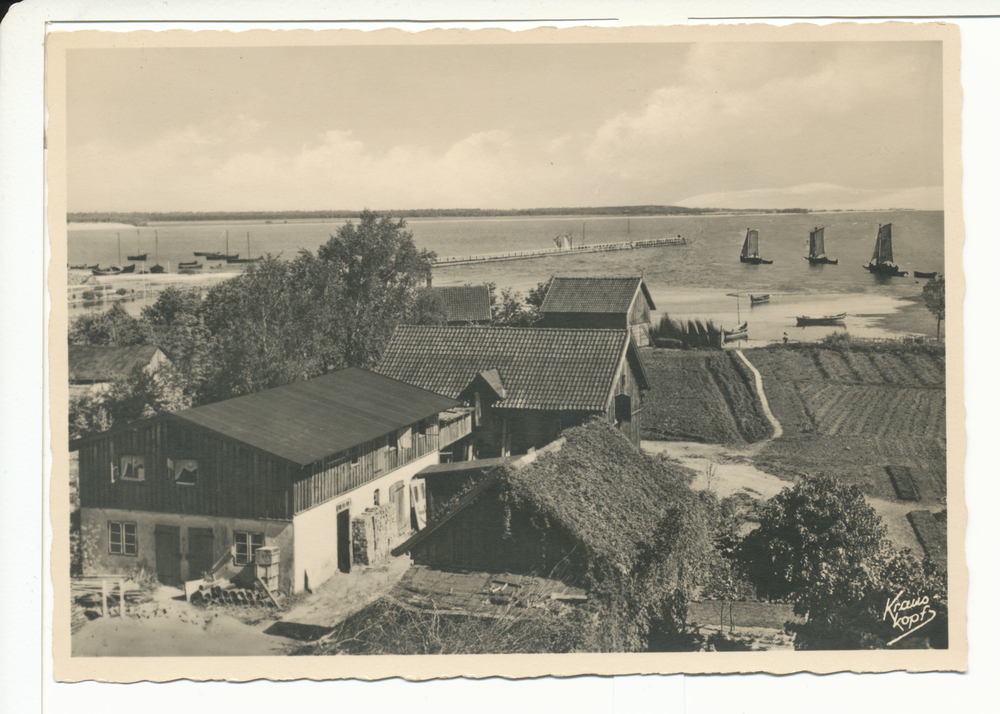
[191, 264]
[740, 333]
[929, 276]
[758, 299]
[824, 320]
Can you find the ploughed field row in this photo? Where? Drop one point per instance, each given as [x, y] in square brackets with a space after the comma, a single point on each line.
[701, 396]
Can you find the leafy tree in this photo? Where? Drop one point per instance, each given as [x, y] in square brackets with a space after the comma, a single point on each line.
[536, 295]
[818, 532]
[114, 327]
[510, 309]
[141, 394]
[428, 309]
[270, 326]
[379, 267]
[822, 546]
[934, 300]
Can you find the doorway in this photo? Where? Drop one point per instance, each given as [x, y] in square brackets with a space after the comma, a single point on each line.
[344, 541]
[168, 554]
[201, 545]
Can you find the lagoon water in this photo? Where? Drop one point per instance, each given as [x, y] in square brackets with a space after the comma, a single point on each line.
[698, 279]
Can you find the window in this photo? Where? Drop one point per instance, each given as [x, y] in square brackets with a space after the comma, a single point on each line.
[377, 496]
[246, 545]
[184, 472]
[129, 468]
[121, 538]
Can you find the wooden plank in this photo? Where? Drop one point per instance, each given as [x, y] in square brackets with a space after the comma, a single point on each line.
[268, 591]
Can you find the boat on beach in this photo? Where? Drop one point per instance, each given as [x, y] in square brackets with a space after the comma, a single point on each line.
[929, 276]
[138, 257]
[236, 258]
[881, 262]
[189, 265]
[157, 269]
[751, 249]
[758, 299]
[805, 321]
[817, 249]
[740, 333]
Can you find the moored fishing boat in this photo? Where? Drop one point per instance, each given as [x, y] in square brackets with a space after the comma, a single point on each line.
[817, 249]
[929, 276]
[751, 249]
[758, 299]
[804, 321]
[740, 333]
[157, 269]
[189, 265]
[881, 262]
[138, 257]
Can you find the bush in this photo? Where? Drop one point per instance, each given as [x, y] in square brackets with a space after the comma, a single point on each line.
[121, 291]
[89, 295]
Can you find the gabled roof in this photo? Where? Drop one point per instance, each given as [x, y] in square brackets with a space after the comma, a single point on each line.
[466, 303]
[89, 363]
[602, 295]
[539, 368]
[308, 421]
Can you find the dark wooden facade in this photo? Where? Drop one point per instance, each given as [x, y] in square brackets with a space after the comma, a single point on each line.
[482, 537]
[234, 480]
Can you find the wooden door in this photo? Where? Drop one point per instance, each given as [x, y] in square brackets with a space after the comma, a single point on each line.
[344, 541]
[168, 554]
[201, 546]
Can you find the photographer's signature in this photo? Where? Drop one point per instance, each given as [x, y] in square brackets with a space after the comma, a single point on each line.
[908, 615]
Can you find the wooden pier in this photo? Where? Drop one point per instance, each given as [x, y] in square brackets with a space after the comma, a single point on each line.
[525, 254]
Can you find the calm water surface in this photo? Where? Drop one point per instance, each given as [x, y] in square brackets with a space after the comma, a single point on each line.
[697, 279]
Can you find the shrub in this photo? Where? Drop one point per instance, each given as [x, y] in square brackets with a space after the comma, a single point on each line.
[89, 295]
[121, 291]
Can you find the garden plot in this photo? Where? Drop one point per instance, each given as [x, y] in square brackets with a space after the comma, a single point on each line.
[699, 396]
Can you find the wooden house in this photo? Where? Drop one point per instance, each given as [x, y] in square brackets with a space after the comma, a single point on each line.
[466, 304]
[525, 385]
[93, 368]
[321, 469]
[587, 507]
[607, 303]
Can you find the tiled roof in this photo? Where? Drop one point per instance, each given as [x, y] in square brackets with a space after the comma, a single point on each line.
[539, 368]
[466, 303]
[311, 420]
[607, 295]
[88, 363]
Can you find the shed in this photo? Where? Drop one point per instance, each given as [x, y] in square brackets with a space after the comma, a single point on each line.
[92, 368]
[621, 303]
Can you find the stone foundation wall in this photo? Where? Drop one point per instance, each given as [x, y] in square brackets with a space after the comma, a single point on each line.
[375, 533]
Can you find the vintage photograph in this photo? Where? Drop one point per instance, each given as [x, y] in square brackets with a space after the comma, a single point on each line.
[629, 344]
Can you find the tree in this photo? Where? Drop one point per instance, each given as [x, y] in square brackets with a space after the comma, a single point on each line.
[114, 327]
[510, 309]
[814, 536]
[934, 300]
[141, 394]
[428, 308]
[822, 546]
[274, 324]
[379, 267]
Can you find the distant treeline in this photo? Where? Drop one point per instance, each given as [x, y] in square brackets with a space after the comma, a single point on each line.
[141, 219]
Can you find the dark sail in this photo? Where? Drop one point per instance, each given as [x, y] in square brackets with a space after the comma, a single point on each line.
[816, 247]
[883, 246]
[750, 249]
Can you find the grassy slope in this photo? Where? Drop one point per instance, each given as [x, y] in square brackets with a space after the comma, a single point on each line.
[699, 396]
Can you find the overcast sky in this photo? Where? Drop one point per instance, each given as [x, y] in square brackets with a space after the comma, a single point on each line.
[835, 125]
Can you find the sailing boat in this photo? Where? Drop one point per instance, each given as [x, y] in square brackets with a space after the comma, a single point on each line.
[243, 260]
[740, 333]
[138, 257]
[881, 262]
[817, 249]
[221, 256]
[751, 252]
[157, 268]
